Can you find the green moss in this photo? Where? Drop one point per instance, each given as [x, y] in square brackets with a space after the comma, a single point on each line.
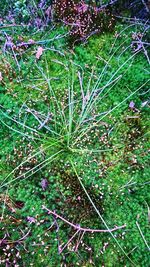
[116, 179]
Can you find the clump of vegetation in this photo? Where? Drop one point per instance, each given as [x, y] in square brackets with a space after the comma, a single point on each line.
[83, 19]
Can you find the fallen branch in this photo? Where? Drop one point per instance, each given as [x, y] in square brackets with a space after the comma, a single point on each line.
[79, 228]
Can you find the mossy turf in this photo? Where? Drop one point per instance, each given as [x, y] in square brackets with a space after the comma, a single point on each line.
[116, 178]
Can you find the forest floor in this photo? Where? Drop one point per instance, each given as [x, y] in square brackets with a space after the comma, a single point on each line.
[74, 139]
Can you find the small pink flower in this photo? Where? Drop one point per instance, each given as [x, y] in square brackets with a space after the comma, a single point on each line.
[31, 219]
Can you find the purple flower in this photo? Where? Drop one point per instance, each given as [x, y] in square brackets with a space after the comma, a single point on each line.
[132, 105]
[31, 219]
[44, 184]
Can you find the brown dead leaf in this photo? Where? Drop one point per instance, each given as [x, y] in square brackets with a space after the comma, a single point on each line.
[39, 52]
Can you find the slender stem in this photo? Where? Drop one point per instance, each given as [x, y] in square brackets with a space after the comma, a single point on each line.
[138, 226]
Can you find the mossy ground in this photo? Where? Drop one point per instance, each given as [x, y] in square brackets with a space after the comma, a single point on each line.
[116, 180]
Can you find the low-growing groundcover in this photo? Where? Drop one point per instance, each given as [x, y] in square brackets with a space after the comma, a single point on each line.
[74, 149]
